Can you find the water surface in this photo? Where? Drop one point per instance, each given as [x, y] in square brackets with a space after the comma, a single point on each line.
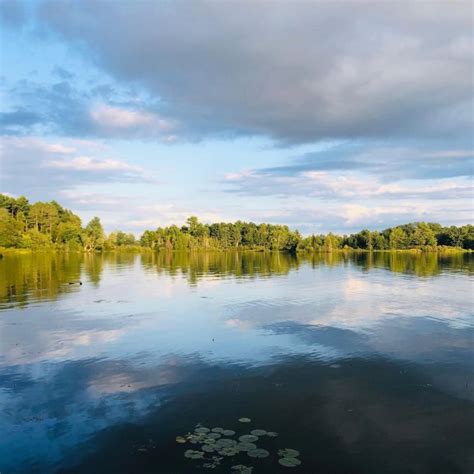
[362, 362]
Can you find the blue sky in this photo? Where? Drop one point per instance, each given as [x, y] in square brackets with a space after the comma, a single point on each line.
[326, 116]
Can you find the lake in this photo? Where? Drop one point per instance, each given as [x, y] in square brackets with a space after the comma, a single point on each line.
[363, 363]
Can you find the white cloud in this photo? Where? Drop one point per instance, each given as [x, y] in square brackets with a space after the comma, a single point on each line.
[59, 148]
[87, 200]
[66, 146]
[119, 119]
[169, 214]
[358, 214]
[238, 176]
[343, 185]
[36, 143]
[363, 187]
[87, 163]
[43, 168]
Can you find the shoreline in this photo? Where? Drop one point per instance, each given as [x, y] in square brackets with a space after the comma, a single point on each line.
[4, 251]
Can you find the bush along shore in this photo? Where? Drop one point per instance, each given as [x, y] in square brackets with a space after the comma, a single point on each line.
[26, 226]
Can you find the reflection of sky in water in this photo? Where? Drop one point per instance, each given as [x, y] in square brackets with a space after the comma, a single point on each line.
[109, 351]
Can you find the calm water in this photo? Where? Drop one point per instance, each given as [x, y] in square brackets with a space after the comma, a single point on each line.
[362, 363]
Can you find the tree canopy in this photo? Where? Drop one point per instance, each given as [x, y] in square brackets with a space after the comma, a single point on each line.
[248, 235]
[47, 225]
[44, 225]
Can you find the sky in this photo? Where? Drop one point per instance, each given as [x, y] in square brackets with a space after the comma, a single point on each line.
[326, 116]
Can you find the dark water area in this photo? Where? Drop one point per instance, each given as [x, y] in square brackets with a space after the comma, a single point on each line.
[363, 363]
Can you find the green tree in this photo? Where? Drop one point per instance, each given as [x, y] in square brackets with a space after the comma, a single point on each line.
[94, 235]
[69, 234]
[423, 236]
[397, 239]
[10, 231]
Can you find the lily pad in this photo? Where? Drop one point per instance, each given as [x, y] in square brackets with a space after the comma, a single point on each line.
[258, 432]
[289, 462]
[228, 432]
[213, 435]
[191, 454]
[248, 438]
[208, 448]
[217, 430]
[272, 434]
[228, 451]
[288, 453]
[245, 420]
[224, 443]
[202, 429]
[258, 453]
[181, 439]
[243, 469]
[246, 446]
[209, 441]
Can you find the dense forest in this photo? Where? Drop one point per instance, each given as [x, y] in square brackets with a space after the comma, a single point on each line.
[47, 225]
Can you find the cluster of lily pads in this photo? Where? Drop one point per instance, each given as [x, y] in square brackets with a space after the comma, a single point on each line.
[218, 443]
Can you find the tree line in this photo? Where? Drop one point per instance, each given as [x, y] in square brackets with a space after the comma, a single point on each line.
[47, 225]
[44, 225]
[248, 235]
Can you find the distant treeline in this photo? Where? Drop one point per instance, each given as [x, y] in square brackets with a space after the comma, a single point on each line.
[44, 225]
[247, 235]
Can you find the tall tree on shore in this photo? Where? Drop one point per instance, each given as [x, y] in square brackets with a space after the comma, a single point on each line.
[94, 235]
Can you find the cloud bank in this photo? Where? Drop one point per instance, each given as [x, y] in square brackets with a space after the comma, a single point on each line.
[293, 71]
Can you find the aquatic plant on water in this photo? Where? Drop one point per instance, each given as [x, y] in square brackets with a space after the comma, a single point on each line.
[287, 452]
[217, 445]
[192, 454]
[242, 469]
[202, 429]
[258, 453]
[289, 457]
[289, 462]
[246, 446]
